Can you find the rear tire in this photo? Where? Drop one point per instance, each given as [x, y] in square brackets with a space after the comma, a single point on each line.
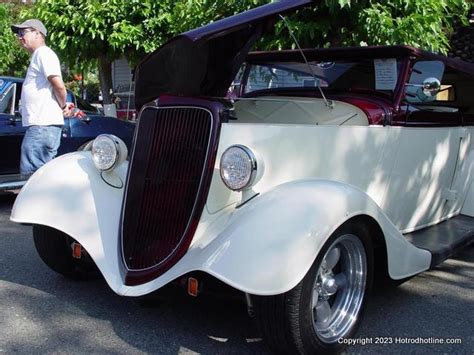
[54, 248]
[327, 304]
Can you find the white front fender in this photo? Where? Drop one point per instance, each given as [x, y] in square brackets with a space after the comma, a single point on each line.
[69, 195]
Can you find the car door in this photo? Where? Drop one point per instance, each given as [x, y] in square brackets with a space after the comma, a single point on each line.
[11, 128]
[422, 175]
[429, 145]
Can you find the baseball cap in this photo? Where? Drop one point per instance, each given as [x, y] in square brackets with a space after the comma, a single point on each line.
[31, 23]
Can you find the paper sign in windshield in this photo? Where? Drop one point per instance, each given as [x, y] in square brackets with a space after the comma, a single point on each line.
[385, 74]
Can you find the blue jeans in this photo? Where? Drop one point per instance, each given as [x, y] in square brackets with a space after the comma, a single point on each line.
[40, 145]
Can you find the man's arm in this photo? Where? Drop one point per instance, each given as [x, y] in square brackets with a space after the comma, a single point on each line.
[59, 90]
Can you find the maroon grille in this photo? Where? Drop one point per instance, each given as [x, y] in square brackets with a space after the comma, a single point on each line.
[164, 183]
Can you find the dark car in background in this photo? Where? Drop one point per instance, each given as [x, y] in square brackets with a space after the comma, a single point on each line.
[76, 131]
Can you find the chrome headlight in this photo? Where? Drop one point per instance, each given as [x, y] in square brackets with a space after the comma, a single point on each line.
[108, 151]
[238, 167]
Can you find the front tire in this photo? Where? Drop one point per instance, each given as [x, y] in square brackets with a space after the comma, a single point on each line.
[54, 248]
[327, 304]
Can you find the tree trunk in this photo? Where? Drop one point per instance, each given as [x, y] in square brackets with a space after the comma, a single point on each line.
[105, 77]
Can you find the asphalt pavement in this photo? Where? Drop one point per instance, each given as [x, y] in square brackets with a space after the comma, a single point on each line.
[43, 312]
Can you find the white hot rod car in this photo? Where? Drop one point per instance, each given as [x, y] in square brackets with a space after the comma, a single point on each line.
[320, 173]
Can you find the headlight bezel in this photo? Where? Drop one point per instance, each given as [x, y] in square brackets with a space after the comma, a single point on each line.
[253, 167]
[118, 148]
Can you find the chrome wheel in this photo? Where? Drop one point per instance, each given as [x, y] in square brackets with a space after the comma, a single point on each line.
[339, 288]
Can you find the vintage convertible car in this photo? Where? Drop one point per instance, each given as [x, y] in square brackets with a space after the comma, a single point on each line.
[76, 132]
[326, 170]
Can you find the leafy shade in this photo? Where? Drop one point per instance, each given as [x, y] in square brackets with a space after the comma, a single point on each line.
[425, 24]
[85, 32]
[90, 32]
[96, 32]
[13, 59]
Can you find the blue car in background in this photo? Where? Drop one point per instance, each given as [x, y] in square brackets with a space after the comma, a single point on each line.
[76, 131]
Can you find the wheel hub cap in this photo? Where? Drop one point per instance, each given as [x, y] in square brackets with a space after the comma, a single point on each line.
[328, 286]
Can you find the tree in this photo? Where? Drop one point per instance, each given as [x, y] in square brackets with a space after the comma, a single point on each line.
[96, 32]
[425, 24]
[86, 31]
[13, 60]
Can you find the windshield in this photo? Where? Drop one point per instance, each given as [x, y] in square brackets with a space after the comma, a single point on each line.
[380, 75]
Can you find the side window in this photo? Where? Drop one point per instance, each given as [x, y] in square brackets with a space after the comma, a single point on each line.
[439, 95]
[19, 86]
[422, 72]
[7, 97]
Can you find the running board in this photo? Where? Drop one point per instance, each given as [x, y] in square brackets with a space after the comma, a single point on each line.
[445, 239]
[12, 182]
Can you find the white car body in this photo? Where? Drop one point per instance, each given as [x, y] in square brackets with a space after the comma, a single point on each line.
[297, 191]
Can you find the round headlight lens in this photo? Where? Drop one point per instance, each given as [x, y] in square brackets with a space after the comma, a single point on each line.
[105, 152]
[238, 167]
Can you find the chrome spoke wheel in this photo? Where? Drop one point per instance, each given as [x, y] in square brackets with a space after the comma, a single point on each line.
[339, 288]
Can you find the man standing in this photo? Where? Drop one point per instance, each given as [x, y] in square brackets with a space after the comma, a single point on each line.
[43, 98]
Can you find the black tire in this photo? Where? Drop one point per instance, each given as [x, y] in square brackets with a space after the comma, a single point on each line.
[286, 320]
[54, 248]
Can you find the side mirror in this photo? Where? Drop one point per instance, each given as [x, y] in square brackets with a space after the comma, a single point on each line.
[431, 87]
[425, 92]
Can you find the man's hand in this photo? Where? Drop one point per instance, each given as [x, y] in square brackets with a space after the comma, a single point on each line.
[68, 111]
[71, 111]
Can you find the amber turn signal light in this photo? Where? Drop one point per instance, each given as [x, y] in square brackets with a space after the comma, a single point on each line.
[76, 250]
[193, 286]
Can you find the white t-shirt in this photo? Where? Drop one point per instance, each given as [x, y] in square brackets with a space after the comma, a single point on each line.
[38, 102]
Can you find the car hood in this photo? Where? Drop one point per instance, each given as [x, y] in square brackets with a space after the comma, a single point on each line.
[204, 61]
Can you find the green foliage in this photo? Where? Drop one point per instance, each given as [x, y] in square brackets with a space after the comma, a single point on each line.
[89, 32]
[426, 24]
[86, 29]
[83, 30]
[13, 59]
[86, 33]
[422, 23]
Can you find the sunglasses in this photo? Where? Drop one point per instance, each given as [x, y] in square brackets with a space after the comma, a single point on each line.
[22, 33]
